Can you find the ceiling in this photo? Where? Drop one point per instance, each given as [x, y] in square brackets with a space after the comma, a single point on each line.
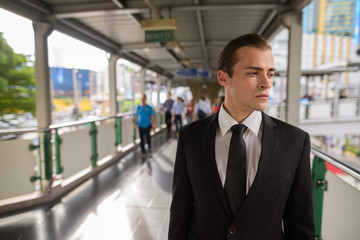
[203, 27]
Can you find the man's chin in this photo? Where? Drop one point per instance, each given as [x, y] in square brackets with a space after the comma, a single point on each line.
[260, 108]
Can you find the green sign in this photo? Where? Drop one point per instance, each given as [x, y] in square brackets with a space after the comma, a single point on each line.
[159, 36]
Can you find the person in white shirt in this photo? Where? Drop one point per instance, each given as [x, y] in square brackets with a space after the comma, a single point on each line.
[240, 174]
[177, 110]
[202, 108]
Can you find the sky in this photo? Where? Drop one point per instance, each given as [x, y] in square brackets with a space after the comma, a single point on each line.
[64, 51]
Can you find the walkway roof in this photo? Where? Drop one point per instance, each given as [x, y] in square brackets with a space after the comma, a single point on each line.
[203, 26]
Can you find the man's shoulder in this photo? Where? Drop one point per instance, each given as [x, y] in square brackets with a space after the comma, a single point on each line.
[198, 125]
[283, 126]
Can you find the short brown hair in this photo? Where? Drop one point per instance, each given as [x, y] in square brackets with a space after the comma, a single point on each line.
[227, 58]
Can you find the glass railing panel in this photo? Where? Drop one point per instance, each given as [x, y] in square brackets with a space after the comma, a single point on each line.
[348, 107]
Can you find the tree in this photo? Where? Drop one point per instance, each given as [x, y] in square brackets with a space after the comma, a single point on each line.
[17, 81]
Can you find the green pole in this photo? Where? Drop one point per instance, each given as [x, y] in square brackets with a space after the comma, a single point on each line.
[307, 111]
[47, 155]
[37, 175]
[118, 136]
[57, 143]
[161, 118]
[134, 134]
[93, 134]
[319, 186]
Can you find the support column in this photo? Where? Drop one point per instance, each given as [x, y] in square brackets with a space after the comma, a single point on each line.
[168, 85]
[293, 23]
[43, 102]
[158, 90]
[335, 108]
[42, 75]
[282, 91]
[114, 106]
[142, 79]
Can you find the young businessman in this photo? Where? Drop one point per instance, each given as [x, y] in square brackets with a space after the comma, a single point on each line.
[240, 174]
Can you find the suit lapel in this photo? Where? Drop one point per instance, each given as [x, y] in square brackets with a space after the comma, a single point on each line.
[268, 148]
[213, 173]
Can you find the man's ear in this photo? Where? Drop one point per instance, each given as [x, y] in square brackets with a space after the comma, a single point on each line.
[222, 78]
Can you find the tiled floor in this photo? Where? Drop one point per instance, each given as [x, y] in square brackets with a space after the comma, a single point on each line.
[129, 200]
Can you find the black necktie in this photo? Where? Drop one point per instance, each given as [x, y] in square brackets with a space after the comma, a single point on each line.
[235, 181]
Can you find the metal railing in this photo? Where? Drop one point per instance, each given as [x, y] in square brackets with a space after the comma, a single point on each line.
[334, 192]
[319, 110]
[64, 150]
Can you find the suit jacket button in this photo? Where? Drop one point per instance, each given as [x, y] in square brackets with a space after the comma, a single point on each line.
[232, 230]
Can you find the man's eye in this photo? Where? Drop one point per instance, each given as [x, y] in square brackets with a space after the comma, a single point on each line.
[252, 73]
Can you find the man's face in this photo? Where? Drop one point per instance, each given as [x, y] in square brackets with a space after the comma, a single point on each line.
[143, 99]
[249, 87]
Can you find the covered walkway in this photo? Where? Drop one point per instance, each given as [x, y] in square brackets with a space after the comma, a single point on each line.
[129, 200]
[115, 194]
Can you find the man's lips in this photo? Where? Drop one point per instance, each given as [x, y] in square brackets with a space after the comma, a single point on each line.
[262, 96]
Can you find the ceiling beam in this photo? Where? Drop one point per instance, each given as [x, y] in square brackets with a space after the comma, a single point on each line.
[70, 30]
[26, 10]
[99, 13]
[298, 5]
[157, 45]
[267, 21]
[101, 9]
[89, 32]
[201, 31]
[241, 6]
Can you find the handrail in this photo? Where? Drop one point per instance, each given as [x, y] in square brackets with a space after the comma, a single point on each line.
[60, 125]
[80, 122]
[337, 163]
[18, 131]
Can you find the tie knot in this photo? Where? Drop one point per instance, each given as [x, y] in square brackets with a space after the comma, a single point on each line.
[238, 128]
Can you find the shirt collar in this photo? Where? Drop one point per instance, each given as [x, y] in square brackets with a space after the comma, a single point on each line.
[252, 122]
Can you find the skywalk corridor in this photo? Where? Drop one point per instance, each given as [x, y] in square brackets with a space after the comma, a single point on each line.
[129, 200]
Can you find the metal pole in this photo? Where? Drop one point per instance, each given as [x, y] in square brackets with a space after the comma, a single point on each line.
[118, 137]
[93, 134]
[319, 186]
[57, 143]
[47, 162]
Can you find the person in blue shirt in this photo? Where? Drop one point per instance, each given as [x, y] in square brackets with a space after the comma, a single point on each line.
[144, 119]
[177, 110]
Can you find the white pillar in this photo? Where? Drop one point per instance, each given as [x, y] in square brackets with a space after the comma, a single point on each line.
[142, 79]
[42, 75]
[114, 107]
[337, 79]
[293, 23]
[158, 89]
[282, 90]
[43, 97]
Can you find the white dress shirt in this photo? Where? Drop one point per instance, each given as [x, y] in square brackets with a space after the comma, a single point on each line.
[252, 138]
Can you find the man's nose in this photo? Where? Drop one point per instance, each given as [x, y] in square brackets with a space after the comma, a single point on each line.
[265, 81]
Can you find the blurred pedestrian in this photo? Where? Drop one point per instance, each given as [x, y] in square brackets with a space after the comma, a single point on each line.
[144, 119]
[168, 104]
[177, 110]
[202, 108]
[189, 111]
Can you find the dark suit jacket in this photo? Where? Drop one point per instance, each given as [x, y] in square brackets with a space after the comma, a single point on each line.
[278, 205]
